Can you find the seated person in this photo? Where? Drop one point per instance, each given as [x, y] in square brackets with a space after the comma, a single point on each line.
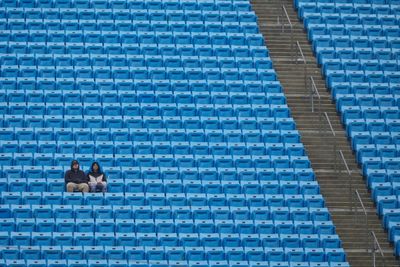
[97, 179]
[75, 179]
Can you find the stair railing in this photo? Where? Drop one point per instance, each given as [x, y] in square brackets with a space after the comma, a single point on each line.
[376, 247]
[300, 57]
[326, 130]
[365, 224]
[350, 178]
[315, 93]
[281, 22]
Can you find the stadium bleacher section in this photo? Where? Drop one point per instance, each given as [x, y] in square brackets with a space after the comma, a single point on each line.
[179, 103]
[357, 44]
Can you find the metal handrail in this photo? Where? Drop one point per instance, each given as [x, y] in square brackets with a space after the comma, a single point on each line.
[284, 11]
[376, 246]
[285, 14]
[301, 53]
[314, 92]
[334, 146]
[330, 124]
[345, 162]
[361, 203]
[366, 225]
[349, 173]
[303, 59]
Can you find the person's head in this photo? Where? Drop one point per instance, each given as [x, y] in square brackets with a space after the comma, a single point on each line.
[75, 165]
[95, 167]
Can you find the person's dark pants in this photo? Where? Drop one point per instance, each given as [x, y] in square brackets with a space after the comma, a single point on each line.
[97, 187]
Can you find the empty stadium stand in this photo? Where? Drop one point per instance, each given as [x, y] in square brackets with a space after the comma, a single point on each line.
[179, 103]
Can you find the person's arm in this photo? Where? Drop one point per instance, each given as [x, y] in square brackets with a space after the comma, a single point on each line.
[67, 177]
[83, 178]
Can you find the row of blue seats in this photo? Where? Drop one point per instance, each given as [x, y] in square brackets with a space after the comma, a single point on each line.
[116, 109]
[349, 61]
[135, 26]
[271, 140]
[342, 40]
[335, 74]
[357, 53]
[96, 256]
[194, 192]
[389, 114]
[127, 148]
[372, 125]
[127, 89]
[138, 147]
[146, 79]
[390, 3]
[139, 122]
[175, 136]
[368, 104]
[363, 13]
[144, 160]
[157, 212]
[372, 150]
[134, 49]
[369, 96]
[350, 19]
[330, 62]
[183, 173]
[176, 191]
[196, 38]
[109, 100]
[165, 173]
[367, 137]
[148, 92]
[123, 5]
[83, 61]
[130, 15]
[105, 103]
[362, 9]
[142, 73]
[310, 216]
[367, 89]
[353, 32]
[172, 189]
[167, 240]
[117, 263]
[360, 36]
[182, 226]
[144, 135]
[334, 77]
[385, 5]
[380, 6]
[345, 42]
[267, 182]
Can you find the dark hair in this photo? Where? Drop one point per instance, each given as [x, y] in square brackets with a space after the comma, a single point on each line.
[98, 165]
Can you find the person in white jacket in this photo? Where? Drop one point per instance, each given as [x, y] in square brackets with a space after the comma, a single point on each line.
[97, 179]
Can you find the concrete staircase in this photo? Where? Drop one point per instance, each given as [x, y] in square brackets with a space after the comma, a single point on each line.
[332, 177]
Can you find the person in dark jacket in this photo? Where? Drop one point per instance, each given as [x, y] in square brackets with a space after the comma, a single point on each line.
[75, 179]
[97, 179]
